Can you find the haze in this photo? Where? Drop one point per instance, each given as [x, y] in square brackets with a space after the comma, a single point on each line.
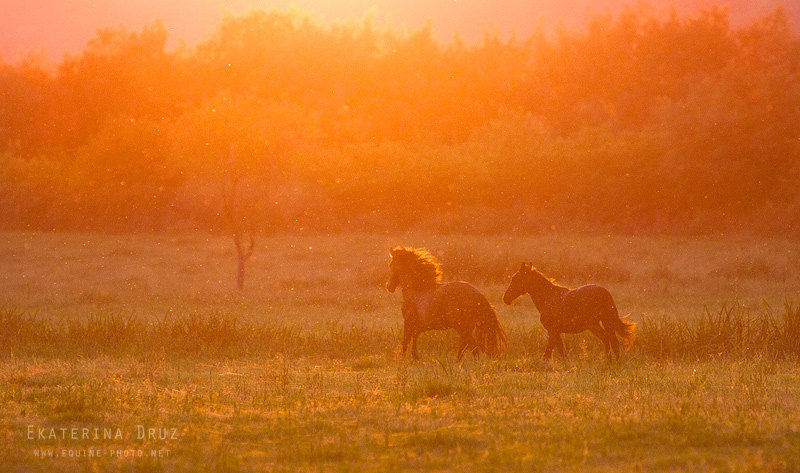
[57, 27]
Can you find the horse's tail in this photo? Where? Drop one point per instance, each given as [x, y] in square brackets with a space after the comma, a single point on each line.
[625, 329]
[489, 333]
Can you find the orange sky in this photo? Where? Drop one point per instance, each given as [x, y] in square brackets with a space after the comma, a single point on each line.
[60, 26]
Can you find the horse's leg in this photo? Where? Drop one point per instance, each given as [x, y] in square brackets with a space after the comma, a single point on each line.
[409, 312]
[560, 345]
[612, 338]
[599, 333]
[406, 339]
[461, 348]
[548, 349]
[467, 340]
[476, 347]
[414, 352]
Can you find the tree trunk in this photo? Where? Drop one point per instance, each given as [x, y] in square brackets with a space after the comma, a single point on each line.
[242, 256]
[240, 272]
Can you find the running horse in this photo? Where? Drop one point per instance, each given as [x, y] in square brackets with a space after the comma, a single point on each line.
[429, 304]
[565, 310]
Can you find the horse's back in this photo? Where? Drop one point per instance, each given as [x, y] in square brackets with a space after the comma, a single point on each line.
[588, 299]
[457, 299]
[458, 290]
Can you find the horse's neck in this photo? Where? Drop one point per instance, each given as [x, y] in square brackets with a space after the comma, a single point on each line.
[546, 300]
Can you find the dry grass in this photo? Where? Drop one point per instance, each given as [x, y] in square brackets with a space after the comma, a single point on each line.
[300, 372]
[731, 331]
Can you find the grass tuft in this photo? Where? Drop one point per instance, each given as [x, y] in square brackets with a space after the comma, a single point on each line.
[732, 330]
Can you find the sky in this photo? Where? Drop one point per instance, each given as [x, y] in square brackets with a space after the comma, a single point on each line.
[58, 27]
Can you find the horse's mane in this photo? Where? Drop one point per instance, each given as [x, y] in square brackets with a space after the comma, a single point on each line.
[544, 281]
[422, 266]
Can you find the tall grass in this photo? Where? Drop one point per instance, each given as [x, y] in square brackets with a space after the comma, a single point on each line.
[192, 335]
[732, 330]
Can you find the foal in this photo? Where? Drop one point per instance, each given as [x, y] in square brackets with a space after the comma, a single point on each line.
[565, 310]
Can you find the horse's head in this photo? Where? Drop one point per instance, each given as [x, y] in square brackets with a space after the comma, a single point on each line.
[412, 267]
[527, 280]
[520, 282]
[394, 272]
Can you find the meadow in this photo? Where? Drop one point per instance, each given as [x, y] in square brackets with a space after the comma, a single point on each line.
[301, 370]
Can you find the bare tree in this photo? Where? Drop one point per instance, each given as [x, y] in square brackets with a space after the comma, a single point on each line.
[233, 144]
[237, 215]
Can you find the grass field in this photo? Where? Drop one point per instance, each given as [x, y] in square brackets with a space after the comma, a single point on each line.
[301, 371]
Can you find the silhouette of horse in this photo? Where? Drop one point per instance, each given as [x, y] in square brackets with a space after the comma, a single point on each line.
[565, 310]
[429, 304]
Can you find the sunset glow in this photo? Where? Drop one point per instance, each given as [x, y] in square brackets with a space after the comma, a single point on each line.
[59, 26]
[318, 124]
[399, 235]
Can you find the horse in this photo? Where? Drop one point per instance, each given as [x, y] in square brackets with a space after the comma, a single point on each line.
[429, 304]
[565, 310]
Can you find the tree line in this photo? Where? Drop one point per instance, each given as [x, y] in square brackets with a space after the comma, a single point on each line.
[641, 122]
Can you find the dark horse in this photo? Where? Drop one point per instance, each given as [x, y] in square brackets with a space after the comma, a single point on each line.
[565, 310]
[429, 304]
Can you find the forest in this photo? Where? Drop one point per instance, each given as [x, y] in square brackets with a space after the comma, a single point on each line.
[642, 123]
